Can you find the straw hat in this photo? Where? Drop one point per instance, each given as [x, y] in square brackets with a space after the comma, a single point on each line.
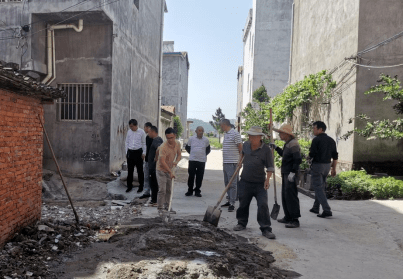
[285, 128]
[255, 130]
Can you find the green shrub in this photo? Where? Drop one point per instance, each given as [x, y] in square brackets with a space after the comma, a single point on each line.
[362, 184]
[304, 144]
[215, 143]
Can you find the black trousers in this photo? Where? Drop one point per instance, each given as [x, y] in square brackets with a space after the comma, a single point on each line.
[289, 197]
[153, 185]
[248, 191]
[134, 159]
[196, 169]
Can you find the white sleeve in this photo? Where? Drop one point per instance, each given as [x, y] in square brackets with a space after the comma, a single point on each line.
[143, 143]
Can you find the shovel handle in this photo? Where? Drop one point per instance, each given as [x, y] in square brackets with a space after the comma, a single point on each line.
[230, 181]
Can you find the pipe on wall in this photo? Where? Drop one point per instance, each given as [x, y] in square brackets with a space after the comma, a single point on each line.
[51, 48]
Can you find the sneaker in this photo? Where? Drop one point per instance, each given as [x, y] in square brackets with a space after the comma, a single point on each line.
[226, 204]
[231, 208]
[283, 221]
[313, 210]
[189, 193]
[325, 214]
[153, 204]
[198, 194]
[268, 234]
[239, 227]
[292, 224]
[144, 196]
[129, 189]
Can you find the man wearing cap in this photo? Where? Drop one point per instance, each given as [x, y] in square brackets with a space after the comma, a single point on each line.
[291, 159]
[255, 181]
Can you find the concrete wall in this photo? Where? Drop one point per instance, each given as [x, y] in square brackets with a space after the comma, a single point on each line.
[325, 32]
[175, 76]
[119, 51]
[239, 106]
[374, 28]
[272, 44]
[248, 59]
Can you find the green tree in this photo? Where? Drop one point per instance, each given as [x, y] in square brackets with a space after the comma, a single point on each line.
[383, 129]
[178, 126]
[215, 123]
[261, 95]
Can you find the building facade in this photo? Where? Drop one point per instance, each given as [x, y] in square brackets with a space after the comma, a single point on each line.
[325, 33]
[175, 79]
[266, 52]
[21, 150]
[108, 59]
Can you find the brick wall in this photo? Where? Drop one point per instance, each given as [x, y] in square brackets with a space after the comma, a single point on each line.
[21, 147]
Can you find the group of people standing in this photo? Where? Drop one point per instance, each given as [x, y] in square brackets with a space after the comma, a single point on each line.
[257, 159]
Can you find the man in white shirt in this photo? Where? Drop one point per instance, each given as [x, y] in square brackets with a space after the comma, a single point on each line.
[135, 153]
[198, 147]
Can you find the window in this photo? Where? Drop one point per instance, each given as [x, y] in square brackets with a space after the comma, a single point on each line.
[78, 104]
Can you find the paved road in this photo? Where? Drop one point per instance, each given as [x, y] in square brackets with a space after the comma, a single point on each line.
[364, 239]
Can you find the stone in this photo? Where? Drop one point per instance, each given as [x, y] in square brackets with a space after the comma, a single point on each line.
[45, 228]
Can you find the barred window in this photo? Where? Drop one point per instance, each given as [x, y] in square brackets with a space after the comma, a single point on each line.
[78, 104]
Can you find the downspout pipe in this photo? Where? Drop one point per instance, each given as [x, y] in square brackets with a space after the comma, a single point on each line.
[291, 44]
[160, 68]
[51, 48]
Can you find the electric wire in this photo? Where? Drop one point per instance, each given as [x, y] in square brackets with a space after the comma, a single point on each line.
[373, 66]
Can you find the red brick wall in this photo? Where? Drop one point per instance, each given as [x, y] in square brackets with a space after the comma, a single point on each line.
[21, 147]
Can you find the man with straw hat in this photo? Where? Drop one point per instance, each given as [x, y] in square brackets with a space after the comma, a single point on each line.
[255, 181]
[291, 159]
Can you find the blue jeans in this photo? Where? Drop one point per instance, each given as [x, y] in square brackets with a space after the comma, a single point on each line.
[229, 169]
[247, 191]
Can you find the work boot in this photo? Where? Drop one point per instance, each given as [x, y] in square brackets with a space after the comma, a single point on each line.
[231, 208]
[129, 189]
[189, 193]
[268, 234]
[239, 227]
[293, 224]
[198, 194]
[144, 196]
[283, 221]
[140, 189]
[226, 204]
[313, 210]
[325, 214]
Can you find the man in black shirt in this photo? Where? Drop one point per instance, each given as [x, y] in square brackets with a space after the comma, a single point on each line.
[291, 159]
[156, 142]
[149, 140]
[322, 151]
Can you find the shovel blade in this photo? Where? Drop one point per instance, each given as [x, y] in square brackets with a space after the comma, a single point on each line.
[275, 211]
[212, 215]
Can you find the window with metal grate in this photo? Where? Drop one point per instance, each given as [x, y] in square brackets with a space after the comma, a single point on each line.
[78, 104]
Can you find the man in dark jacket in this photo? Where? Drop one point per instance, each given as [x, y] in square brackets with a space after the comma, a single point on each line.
[157, 141]
[291, 159]
[322, 151]
[255, 180]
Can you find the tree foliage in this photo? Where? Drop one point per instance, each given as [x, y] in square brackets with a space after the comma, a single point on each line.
[383, 129]
[178, 126]
[216, 122]
[261, 95]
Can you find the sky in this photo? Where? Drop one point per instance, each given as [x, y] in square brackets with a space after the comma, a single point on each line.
[211, 32]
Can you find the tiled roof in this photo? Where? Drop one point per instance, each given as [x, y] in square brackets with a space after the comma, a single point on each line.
[169, 109]
[11, 79]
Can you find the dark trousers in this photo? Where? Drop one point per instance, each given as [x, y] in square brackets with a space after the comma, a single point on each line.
[319, 172]
[134, 160]
[153, 185]
[289, 197]
[196, 169]
[247, 191]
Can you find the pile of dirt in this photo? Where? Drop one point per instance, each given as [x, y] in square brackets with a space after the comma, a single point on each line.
[29, 254]
[181, 249]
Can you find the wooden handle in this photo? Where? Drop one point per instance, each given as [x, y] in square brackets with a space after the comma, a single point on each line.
[274, 165]
[230, 181]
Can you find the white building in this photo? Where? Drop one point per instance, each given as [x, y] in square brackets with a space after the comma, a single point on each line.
[266, 55]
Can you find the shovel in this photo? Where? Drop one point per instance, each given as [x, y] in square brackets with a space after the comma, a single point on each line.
[166, 217]
[276, 207]
[213, 213]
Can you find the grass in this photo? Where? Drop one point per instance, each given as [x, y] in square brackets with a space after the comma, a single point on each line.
[215, 143]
